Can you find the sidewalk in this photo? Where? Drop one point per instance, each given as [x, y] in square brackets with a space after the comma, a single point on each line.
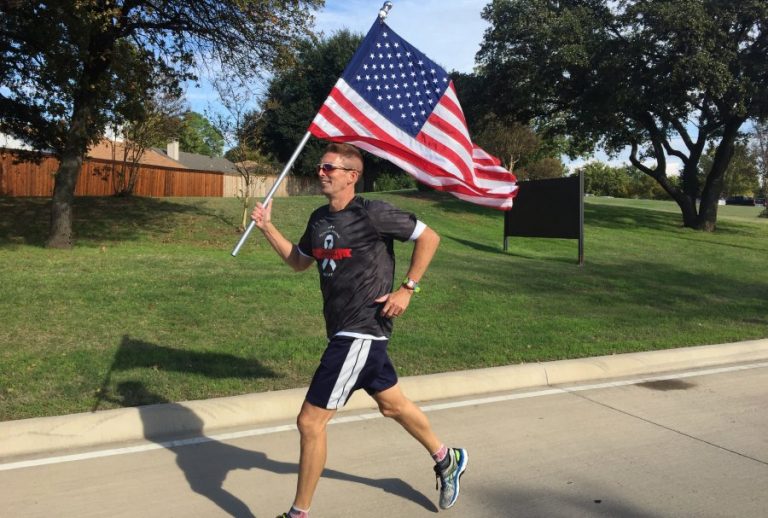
[38, 436]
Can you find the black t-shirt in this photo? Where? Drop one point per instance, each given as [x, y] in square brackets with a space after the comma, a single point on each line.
[354, 252]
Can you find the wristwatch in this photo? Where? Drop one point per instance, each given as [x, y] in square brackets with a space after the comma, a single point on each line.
[412, 285]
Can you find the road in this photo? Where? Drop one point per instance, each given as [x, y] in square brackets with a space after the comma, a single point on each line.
[689, 446]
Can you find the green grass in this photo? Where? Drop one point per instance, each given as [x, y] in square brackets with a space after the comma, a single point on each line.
[150, 306]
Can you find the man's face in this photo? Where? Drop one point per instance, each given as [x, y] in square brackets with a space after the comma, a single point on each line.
[339, 180]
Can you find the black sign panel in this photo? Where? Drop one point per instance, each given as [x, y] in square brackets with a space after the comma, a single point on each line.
[546, 208]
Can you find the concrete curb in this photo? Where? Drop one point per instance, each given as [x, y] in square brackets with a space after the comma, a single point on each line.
[37, 436]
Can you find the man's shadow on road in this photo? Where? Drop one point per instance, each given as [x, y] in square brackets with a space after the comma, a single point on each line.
[206, 462]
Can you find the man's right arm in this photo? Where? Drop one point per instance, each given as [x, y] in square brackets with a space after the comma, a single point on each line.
[288, 252]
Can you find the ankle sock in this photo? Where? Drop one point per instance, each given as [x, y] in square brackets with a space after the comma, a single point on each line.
[295, 512]
[440, 455]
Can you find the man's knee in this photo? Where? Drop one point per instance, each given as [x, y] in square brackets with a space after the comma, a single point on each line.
[391, 410]
[394, 408]
[312, 420]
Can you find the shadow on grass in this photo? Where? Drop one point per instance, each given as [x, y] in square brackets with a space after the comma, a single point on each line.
[26, 220]
[206, 462]
[651, 291]
[135, 354]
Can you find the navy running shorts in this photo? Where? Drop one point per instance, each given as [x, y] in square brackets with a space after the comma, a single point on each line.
[351, 362]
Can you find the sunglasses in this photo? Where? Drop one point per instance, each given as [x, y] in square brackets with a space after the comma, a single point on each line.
[327, 168]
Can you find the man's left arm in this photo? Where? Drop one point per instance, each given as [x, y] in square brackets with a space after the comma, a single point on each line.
[423, 251]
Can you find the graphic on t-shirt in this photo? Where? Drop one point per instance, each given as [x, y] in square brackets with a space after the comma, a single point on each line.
[328, 253]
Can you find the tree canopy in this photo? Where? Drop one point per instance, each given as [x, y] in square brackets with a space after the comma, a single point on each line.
[198, 135]
[662, 77]
[67, 67]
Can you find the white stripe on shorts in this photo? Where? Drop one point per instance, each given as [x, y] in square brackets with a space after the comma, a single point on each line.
[353, 364]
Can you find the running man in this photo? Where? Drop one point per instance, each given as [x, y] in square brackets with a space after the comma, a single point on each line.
[351, 242]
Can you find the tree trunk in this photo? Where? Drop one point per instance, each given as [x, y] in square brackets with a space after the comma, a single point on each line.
[687, 208]
[79, 137]
[60, 235]
[713, 186]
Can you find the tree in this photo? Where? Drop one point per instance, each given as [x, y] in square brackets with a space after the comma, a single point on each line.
[198, 135]
[295, 94]
[511, 142]
[603, 180]
[239, 125]
[662, 77]
[68, 66]
[154, 125]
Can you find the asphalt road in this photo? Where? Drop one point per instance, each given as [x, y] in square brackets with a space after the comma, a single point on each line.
[690, 446]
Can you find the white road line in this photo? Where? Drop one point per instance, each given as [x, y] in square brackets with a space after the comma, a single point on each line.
[373, 415]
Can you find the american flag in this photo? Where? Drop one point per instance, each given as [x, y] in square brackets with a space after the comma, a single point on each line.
[396, 103]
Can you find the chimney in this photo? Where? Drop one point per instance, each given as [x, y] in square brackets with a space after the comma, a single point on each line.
[173, 150]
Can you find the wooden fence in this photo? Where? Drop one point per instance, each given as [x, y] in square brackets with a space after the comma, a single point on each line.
[103, 178]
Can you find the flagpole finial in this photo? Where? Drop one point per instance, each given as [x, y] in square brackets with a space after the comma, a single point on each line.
[384, 11]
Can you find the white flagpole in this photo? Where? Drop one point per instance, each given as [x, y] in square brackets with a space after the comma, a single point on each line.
[272, 191]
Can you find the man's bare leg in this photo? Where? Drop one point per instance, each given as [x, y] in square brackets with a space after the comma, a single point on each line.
[312, 423]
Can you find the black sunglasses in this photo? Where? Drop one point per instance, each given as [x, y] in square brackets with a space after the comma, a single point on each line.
[327, 168]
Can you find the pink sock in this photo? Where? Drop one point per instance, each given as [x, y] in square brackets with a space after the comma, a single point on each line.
[440, 454]
[295, 512]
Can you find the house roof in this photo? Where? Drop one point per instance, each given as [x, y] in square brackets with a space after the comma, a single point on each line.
[203, 162]
[115, 150]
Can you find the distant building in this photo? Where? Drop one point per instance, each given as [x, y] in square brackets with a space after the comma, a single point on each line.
[197, 161]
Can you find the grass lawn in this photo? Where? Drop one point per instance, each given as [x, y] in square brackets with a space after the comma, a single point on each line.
[150, 306]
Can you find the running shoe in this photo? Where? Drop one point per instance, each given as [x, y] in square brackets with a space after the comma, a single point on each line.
[450, 476]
